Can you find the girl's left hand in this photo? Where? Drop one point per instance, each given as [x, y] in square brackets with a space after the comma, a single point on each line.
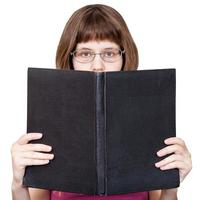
[180, 158]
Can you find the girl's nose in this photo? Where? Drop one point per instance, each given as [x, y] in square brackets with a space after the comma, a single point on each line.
[98, 64]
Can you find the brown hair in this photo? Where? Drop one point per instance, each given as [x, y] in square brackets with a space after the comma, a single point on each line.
[96, 22]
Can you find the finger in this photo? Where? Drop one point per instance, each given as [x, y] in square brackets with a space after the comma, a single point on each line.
[37, 147]
[173, 165]
[180, 142]
[38, 156]
[174, 140]
[170, 149]
[28, 137]
[30, 162]
[168, 160]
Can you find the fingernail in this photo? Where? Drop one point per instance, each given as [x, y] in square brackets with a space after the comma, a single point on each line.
[158, 153]
[166, 141]
[50, 148]
[39, 134]
[157, 164]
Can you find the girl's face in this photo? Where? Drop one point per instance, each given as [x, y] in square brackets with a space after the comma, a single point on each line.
[97, 56]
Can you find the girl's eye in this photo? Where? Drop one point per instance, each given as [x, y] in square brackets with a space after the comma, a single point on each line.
[109, 53]
[84, 54]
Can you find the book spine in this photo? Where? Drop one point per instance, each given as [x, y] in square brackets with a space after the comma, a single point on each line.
[100, 134]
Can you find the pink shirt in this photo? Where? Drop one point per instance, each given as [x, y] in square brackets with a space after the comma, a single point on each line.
[55, 195]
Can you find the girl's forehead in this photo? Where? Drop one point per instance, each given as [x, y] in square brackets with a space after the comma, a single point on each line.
[97, 45]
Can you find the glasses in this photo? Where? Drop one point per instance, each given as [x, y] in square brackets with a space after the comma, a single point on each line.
[107, 55]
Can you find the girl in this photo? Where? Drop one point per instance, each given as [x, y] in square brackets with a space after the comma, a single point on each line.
[95, 38]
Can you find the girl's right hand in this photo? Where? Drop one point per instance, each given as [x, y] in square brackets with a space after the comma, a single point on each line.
[26, 154]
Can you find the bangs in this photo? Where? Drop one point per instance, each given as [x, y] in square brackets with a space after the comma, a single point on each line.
[97, 27]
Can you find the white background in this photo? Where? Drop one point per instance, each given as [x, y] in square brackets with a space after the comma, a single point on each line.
[167, 35]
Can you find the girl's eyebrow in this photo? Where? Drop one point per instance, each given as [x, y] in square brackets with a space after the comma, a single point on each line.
[83, 48]
[107, 48]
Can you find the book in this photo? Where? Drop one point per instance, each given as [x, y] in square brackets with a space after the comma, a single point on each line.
[105, 129]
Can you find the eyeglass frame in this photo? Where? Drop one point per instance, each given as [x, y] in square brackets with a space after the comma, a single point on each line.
[94, 55]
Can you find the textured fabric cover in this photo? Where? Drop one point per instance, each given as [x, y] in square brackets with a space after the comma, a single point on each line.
[105, 129]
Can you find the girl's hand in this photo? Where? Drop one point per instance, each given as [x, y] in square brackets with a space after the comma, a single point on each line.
[25, 154]
[180, 158]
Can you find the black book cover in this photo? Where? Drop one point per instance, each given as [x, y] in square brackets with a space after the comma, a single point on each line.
[105, 129]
